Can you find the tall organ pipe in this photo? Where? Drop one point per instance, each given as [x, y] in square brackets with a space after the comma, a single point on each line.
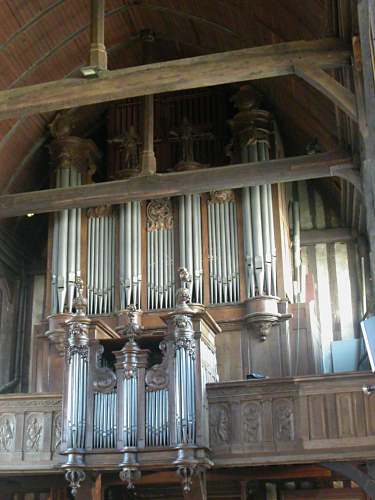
[73, 158]
[100, 260]
[296, 251]
[66, 247]
[191, 242]
[223, 248]
[160, 255]
[130, 254]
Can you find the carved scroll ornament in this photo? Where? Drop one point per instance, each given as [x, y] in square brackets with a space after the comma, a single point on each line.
[159, 215]
[157, 376]
[104, 379]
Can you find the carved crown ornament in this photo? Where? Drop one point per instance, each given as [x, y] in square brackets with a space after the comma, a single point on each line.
[102, 211]
[225, 196]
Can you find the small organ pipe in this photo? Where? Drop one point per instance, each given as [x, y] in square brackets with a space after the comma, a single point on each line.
[266, 239]
[258, 243]
[272, 239]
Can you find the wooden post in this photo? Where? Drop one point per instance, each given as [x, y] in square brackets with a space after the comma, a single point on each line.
[91, 488]
[98, 53]
[148, 160]
[367, 127]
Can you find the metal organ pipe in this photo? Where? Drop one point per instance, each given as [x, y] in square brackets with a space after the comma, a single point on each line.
[259, 240]
[160, 254]
[190, 229]
[223, 248]
[100, 260]
[66, 247]
[130, 254]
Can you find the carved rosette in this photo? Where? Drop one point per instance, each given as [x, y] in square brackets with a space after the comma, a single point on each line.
[159, 215]
[7, 432]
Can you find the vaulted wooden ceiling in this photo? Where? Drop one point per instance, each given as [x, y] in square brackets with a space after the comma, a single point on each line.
[43, 40]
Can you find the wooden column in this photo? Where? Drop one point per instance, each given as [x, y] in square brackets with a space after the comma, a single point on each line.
[91, 488]
[364, 75]
[148, 160]
[98, 53]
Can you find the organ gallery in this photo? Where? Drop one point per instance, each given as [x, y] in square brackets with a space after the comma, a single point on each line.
[186, 253]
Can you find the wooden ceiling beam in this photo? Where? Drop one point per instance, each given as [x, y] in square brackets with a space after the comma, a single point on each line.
[175, 184]
[202, 71]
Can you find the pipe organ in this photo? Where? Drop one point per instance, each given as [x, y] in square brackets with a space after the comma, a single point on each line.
[143, 401]
[128, 254]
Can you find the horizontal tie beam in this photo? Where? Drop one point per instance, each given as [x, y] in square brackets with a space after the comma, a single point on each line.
[177, 184]
[254, 63]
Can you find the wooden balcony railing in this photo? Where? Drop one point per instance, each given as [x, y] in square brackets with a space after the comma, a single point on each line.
[30, 432]
[292, 420]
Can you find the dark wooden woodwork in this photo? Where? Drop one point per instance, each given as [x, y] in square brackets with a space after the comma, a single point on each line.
[175, 184]
[214, 69]
[326, 494]
[98, 54]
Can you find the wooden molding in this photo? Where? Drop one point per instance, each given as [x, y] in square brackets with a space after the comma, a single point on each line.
[174, 184]
[203, 71]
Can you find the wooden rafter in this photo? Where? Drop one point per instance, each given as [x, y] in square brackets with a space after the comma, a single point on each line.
[203, 71]
[175, 184]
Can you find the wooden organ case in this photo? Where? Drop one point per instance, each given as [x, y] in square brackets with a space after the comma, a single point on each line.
[235, 252]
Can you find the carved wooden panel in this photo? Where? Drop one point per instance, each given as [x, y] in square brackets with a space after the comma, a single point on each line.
[297, 419]
[30, 431]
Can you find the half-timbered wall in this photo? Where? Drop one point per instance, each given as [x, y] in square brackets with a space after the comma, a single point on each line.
[334, 275]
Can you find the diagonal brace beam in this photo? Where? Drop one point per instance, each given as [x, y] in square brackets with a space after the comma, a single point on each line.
[328, 86]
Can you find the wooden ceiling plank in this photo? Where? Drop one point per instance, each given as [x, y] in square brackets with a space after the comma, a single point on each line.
[175, 184]
[202, 71]
[331, 88]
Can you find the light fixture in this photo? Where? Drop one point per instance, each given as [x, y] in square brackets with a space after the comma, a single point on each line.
[90, 71]
[30, 214]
